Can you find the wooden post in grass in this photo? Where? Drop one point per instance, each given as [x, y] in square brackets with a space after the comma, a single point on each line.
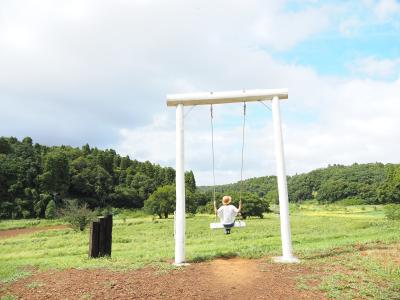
[94, 239]
[108, 235]
[100, 239]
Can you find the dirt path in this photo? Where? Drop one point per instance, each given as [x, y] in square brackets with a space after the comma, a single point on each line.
[14, 232]
[218, 279]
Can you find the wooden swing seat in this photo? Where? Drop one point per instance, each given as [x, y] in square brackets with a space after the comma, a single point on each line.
[219, 225]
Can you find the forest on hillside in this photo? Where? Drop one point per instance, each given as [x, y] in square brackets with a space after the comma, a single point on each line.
[34, 177]
[373, 183]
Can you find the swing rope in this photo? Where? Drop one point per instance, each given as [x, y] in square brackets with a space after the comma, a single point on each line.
[213, 153]
[242, 161]
[213, 156]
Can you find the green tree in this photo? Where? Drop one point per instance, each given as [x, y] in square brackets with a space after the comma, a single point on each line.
[253, 206]
[124, 196]
[102, 184]
[169, 176]
[300, 189]
[125, 163]
[190, 182]
[5, 146]
[32, 175]
[143, 184]
[272, 197]
[334, 190]
[27, 140]
[161, 202]
[55, 178]
[41, 204]
[389, 190]
[191, 201]
[86, 149]
[51, 210]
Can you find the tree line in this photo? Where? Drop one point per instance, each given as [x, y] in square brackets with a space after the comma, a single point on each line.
[373, 183]
[34, 177]
[36, 180]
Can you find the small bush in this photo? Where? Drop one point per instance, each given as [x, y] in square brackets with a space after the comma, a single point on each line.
[350, 201]
[205, 209]
[253, 206]
[108, 210]
[51, 210]
[392, 211]
[79, 216]
[161, 202]
[26, 214]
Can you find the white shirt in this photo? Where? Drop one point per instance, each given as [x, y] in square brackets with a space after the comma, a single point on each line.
[227, 214]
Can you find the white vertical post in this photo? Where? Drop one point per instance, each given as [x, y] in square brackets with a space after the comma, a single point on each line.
[180, 189]
[287, 255]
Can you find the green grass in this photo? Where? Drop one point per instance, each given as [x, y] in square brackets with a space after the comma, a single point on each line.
[8, 297]
[351, 275]
[34, 285]
[25, 223]
[318, 233]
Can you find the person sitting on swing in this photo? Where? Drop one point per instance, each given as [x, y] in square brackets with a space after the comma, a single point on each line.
[227, 213]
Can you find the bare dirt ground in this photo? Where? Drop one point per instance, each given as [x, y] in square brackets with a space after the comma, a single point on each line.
[14, 232]
[219, 279]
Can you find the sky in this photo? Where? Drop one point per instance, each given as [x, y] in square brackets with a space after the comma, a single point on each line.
[92, 71]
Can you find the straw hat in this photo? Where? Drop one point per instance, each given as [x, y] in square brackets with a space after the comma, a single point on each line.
[226, 200]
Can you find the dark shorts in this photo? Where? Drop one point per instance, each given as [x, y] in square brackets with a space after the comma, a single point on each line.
[229, 225]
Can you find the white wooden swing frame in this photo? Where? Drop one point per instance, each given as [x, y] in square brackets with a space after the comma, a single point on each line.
[181, 100]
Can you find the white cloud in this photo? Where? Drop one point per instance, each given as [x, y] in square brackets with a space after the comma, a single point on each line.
[98, 71]
[350, 27]
[359, 125]
[376, 68]
[154, 142]
[282, 30]
[386, 9]
[355, 121]
[107, 65]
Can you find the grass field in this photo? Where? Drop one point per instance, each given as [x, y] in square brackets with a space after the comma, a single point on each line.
[323, 237]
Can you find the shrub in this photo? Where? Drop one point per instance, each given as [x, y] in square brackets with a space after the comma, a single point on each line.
[205, 209]
[79, 216]
[108, 210]
[51, 210]
[350, 201]
[254, 206]
[191, 201]
[40, 205]
[161, 202]
[392, 211]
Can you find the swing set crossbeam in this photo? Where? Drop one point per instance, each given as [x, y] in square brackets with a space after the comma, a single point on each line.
[225, 97]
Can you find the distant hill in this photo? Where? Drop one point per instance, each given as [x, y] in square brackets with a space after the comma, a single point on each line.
[372, 183]
[32, 176]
